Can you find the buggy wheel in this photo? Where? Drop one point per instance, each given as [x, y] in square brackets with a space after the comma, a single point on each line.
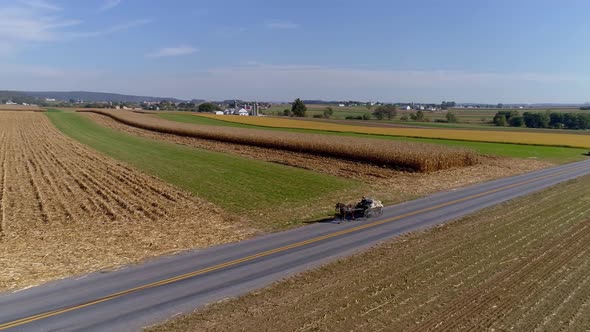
[378, 212]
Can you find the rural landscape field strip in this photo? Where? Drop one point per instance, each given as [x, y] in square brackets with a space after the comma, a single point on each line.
[532, 138]
[388, 184]
[270, 195]
[399, 155]
[66, 209]
[553, 154]
[518, 266]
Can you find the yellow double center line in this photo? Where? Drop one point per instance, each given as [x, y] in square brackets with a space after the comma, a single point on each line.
[51, 313]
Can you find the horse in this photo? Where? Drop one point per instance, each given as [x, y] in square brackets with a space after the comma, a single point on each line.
[344, 210]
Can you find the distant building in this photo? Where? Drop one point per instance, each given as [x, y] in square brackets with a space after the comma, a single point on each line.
[243, 112]
[219, 113]
[10, 102]
[341, 105]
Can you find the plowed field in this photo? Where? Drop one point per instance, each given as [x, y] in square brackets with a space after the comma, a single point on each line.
[66, 209]
[520, 266]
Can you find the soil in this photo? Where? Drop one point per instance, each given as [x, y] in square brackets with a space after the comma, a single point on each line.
[66, 209]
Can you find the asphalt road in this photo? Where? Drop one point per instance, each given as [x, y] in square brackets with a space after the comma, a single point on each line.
[137, 296]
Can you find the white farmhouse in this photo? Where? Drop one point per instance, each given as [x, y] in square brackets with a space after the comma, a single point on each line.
[243, 112]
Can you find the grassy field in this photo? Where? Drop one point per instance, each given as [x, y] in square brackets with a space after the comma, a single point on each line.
[520, 266]
[548, 153]
[240, 185]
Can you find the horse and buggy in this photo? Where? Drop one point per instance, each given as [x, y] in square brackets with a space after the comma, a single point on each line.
[366, 208]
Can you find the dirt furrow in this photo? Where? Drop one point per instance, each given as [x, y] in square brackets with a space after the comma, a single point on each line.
[549, 260]
[507, 246]
[581, 318]
[569, 303]
[38, 159]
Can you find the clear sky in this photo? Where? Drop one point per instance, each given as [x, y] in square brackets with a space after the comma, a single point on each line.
[381, 50]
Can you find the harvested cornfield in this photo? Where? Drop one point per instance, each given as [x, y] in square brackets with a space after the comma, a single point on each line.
[66, 209]
[399, 155]
[520, 266]
[533, 138]
[21, 108]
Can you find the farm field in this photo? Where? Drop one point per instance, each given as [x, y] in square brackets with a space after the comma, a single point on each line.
[523, 265]
[388, 184]
[529, 138]
[19, 108]
[547, 153]
[66, 209]
[474, 116]
[398, 155]
[269, 194]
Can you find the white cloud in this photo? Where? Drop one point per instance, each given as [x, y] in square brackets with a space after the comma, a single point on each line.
[173, 51]
[278, 24]
[109, 30]
[30, 22]
[109, 4]
[40, 4]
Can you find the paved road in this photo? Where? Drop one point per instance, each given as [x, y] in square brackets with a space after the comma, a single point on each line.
[136, 296]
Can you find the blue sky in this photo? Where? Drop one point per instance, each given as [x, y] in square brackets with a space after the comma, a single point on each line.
[429, 51]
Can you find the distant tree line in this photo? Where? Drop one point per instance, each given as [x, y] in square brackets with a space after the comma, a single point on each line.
[547, 119]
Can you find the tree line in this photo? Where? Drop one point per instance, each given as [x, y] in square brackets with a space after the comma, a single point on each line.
[556, 120]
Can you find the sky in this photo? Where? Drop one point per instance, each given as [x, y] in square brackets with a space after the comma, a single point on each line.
[492, 51]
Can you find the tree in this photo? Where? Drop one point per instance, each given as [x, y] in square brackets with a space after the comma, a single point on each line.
[451, 117]
[516, 121]
[298, 108]
[500, 120]
[328, 112]
[556, 120]
[536, 120]
[208, 108]
[385, 111]
[447, 104]
[369, 106]
[287, 112]
[508, 114]
[420, 115]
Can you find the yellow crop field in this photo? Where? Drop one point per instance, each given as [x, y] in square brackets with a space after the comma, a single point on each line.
[534, 138]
